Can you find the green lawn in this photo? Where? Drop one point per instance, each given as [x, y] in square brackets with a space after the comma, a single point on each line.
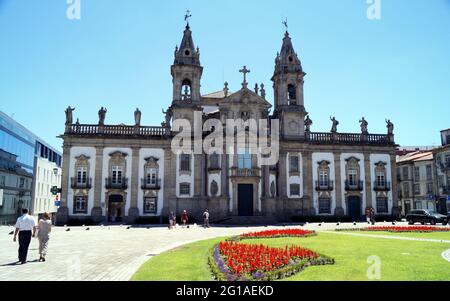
[400, 260]
[431, 235]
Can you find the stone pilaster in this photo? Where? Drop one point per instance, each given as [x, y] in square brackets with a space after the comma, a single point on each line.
[133, 212]
[199, 176]
[223, 175]
[308, 184]
[97, 211]
[339, 211]
[62, 216]
[395, 207]
[265, 184]
[170, 180]
[282, 179]
[368, 181]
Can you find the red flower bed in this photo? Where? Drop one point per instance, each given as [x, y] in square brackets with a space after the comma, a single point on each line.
[408, 229]
[248, 258]
[279, 233]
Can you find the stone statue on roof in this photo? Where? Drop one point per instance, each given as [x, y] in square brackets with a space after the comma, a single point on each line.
[390, 127]
[334, 125]
[102, 115]
[137, 117]
[308, 123]
[69, 115]
[364, 125]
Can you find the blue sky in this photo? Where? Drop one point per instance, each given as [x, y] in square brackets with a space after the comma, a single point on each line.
[119, 54]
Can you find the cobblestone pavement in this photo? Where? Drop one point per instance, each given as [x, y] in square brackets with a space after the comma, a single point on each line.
[101, 253]
[108, 253]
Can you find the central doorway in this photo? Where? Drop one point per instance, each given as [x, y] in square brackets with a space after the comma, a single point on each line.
[245, 199]
[354, 208]
[115, 208]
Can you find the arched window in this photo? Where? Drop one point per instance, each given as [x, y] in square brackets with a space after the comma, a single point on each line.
[292, 94]
[186, 89]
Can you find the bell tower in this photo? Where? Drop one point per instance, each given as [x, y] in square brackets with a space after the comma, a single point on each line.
[186, 71]
[288, 91]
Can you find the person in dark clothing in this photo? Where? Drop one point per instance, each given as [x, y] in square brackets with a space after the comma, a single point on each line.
[26, 228]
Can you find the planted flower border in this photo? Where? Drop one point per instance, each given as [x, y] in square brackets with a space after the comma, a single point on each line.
[290, 265]
[401, 229]
[278, 233]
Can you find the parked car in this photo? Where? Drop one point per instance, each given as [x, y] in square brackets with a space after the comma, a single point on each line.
[424, 216]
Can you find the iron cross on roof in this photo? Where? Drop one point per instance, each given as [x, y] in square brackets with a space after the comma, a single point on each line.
[187, 16]
[244, 71]
[285, 23]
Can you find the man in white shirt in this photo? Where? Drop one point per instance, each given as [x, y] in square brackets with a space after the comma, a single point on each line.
[26, 228]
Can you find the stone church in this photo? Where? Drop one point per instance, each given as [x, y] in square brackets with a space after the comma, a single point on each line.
[125, 173]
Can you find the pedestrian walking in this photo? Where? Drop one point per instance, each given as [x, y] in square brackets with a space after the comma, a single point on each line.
[368, 214]
[44, 229]
[26, 229]
[184, 217]
[206, 219]
[372, 215]
[171, 219]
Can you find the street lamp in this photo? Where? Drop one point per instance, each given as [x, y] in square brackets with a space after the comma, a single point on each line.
[55, 171]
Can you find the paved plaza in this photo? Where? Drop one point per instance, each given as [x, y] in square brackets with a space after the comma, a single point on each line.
[108, 253]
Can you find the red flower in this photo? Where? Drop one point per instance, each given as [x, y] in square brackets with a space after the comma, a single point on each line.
[408, 228]
[248, 258]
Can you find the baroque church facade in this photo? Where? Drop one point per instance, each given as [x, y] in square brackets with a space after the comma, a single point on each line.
[122, 173]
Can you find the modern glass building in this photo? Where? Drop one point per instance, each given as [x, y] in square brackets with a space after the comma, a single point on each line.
[20, 152]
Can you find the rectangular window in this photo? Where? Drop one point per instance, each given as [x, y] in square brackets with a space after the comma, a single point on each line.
[323, 178]
[406, 189]
[381, 179]
[382, 205]
[418, 205]
[214, 161]
[294, 189]
[405, 173]
[352, 177]
[293, 164]
[244, 159]
[417, 189]
[151, 176]
[429, 173]
[21, 183]
[324, 206]
[81, 175]
[150, 205]
[417, 173]
[2, 180]
[116, 175]
[429, 188]
[80, 204]
[185, 162]
[185, 189]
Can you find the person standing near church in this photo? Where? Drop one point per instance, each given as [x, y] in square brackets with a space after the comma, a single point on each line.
[26, 228]
[184, 217]
[171, 219]
[206, 219]
[44, 229]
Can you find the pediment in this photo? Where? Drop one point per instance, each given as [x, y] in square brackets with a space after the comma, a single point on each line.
[247, 96]
[118, 154]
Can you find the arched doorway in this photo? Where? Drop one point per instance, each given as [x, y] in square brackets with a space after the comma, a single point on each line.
[354, 207]
[115, 208]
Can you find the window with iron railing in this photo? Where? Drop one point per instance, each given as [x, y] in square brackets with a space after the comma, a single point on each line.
[293, 164]
[116, 174]
[81, 175]
[185, 162]
[323, 178]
